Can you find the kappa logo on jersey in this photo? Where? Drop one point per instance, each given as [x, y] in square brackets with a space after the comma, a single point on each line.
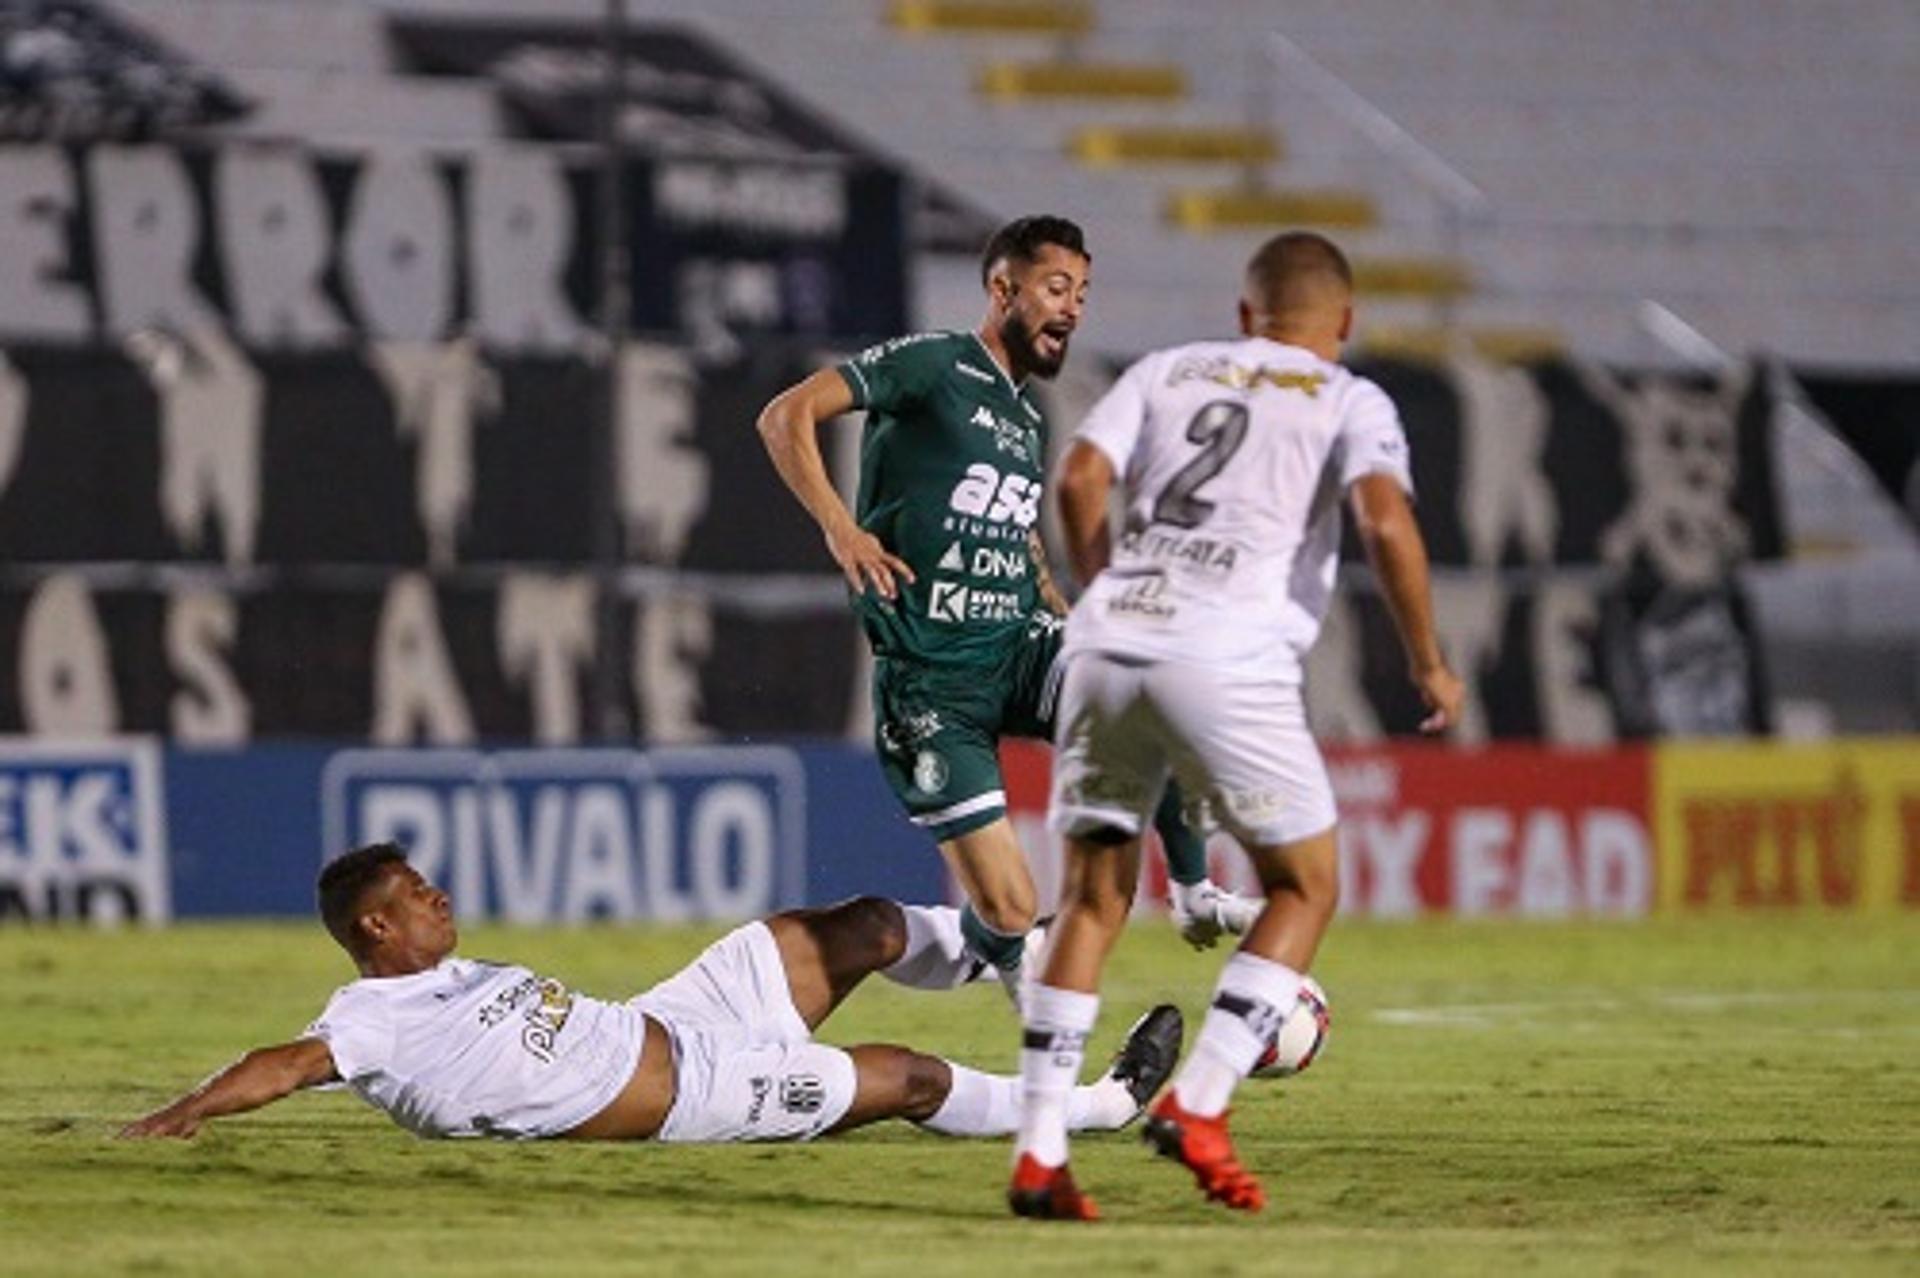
[984, 493]
[1007, 437]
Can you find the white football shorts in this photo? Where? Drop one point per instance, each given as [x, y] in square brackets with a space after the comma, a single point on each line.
[745, 1065]
[1239, 747]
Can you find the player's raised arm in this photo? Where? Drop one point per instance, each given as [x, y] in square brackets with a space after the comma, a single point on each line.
[1084, 484]
[1398, 554]
[789, 427]
[262, 1076]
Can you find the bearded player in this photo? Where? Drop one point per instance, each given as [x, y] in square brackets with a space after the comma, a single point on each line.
[948, 577]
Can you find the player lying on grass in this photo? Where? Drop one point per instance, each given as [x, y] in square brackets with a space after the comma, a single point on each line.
[721, 1051]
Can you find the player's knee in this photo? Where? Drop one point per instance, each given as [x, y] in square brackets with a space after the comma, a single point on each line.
[928, 1081]
[880, 928]
[1012, 914]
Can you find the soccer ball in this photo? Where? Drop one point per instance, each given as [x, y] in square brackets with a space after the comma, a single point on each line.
[1300, 1037]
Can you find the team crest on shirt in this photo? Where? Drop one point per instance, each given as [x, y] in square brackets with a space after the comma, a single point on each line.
[802, 1093]
[929, 772]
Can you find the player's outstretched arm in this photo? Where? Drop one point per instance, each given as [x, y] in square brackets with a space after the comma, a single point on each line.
[1398, 554]
[1084, 484]
[789, 427]
[261, 1077]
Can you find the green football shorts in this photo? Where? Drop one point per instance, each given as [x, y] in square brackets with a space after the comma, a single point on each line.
[937, 729]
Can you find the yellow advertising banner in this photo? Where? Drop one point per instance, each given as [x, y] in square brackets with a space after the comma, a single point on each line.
[1829, 826]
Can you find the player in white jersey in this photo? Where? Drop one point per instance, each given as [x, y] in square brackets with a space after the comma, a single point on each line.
[1184, 661]
[722, 1051]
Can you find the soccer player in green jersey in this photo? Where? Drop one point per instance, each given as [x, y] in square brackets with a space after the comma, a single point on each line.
[948, 575]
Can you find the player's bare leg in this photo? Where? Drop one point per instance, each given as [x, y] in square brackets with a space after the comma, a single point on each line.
[1255, 990]
[827, 952]
[1061, 1011]
[1002, 900]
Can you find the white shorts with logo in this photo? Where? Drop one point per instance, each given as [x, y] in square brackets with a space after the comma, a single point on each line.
[1239, 747]
[745, 1064]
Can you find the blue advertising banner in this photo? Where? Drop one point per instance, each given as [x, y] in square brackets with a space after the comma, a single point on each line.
[130, 830]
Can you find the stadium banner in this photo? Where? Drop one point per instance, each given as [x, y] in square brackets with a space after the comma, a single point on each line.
[75, 71]
[83, 832]
[176, 541]
[129, 830]
[287, 249]
[683, 94]
[1508, 831]
[1830, 826]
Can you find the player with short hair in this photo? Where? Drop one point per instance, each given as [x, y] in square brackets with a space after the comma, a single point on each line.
[1184, 659]
[947, 574]
[721, 1051]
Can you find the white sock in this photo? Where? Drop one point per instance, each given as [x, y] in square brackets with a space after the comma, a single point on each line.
[1250, 1000]
[989, 1105]
[1052, 1049]
[978, 1105]
[936, 956]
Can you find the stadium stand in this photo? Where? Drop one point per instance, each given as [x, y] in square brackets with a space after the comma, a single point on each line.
[1637, 184]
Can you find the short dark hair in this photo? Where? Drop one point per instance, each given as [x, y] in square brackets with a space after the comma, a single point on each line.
[1021, 240]
[345, 879]
[1289, 262]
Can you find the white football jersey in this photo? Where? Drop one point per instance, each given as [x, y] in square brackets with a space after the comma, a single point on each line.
[480, 1049]
[1234, 458]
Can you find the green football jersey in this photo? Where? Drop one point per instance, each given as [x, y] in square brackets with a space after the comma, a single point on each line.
[951, 468]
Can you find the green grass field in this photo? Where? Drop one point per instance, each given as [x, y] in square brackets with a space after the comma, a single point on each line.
[1731, 1096]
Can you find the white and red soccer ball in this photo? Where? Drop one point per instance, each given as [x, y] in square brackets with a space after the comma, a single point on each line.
[1300, 1036]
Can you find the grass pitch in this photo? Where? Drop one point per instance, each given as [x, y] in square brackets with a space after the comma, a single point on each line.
[1730, 1096]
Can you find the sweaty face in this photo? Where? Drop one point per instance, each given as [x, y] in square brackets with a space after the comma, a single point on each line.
[1047, 296]
[419, 915]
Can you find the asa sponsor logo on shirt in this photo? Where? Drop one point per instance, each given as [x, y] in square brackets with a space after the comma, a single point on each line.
[984, 493]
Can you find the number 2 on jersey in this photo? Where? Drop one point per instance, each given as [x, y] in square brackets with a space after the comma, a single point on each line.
[1219, 428]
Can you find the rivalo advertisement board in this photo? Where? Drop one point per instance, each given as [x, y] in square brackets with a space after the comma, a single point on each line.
[129, 830]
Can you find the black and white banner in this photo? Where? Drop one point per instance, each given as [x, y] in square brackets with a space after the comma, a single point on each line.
[72, 71]
[683, 95]
[394, 543]
[287, 250]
